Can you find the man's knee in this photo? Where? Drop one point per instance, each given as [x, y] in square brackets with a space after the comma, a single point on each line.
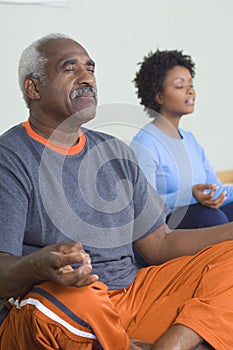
[51, 315]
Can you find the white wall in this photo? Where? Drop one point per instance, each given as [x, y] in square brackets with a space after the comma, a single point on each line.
[118, 34]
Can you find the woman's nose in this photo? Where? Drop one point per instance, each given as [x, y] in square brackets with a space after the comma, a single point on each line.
[191, 90]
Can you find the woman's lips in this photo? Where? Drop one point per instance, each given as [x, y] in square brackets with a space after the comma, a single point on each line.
[190, 101]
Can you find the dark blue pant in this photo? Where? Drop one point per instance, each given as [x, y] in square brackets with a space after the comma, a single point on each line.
[198, 215]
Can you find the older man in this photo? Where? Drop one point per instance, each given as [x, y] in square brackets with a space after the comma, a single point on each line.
[73, 204]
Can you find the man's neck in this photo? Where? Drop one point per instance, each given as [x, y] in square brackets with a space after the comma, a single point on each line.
[65, 136]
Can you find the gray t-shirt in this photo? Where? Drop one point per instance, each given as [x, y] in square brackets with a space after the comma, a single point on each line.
[93, 192]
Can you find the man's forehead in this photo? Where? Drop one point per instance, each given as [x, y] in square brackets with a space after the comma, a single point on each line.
[63, 47]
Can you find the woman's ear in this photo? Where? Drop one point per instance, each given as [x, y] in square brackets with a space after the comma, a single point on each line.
[159, 98]
[31, 88]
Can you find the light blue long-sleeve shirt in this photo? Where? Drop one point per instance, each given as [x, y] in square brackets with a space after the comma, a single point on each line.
[173, 166]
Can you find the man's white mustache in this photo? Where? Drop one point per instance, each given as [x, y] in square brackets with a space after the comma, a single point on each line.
[83, 90]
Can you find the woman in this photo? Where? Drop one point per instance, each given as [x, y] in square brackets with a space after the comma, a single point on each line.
[172, 159]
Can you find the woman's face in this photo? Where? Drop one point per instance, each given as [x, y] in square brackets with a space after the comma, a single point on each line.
[178, 95]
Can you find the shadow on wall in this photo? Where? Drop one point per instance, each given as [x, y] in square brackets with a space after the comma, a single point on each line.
[121, 120]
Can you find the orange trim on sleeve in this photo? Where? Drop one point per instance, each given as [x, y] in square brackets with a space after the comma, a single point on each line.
[55, 147]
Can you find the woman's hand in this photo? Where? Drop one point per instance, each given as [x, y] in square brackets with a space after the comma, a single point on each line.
[204, 193]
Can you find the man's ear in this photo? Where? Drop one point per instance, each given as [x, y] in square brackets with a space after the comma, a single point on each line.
[159, 98]
[31, 87]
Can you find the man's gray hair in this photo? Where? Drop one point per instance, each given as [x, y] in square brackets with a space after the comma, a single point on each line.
[32, 62]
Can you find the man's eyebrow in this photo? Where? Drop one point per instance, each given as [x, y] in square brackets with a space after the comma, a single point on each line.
[67, 62]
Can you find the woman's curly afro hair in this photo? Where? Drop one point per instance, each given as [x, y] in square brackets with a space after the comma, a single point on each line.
[149, 79]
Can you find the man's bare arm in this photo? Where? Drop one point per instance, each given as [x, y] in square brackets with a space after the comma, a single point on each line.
[19, 274]
[163, 244]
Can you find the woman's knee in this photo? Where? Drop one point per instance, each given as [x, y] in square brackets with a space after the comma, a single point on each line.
[211, 217]
[228, 210]
[197, 216]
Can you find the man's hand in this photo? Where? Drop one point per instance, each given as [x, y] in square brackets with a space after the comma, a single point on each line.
[204, 193]
[52, 263]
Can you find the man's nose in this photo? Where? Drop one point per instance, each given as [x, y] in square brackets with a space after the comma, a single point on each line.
[84, 76]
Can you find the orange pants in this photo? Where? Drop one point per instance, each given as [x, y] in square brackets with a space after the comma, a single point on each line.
[194, 291]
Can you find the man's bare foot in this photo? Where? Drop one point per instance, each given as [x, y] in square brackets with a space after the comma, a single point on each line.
[204, 346]
[136, 344]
